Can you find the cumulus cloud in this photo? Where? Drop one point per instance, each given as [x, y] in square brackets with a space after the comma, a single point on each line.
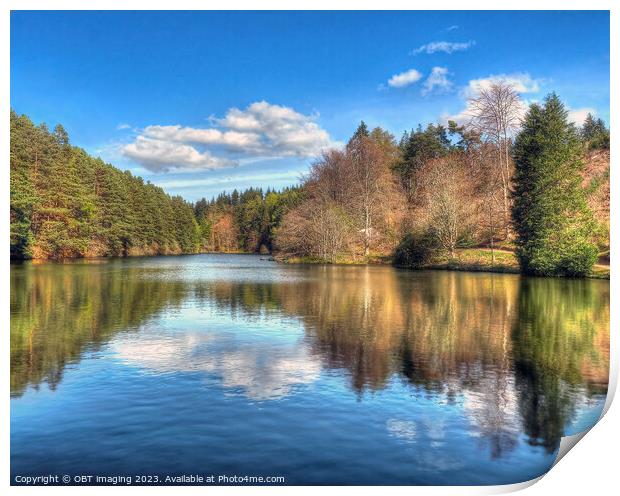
[261, 371]
[522, 82]
[283, 131]
[578, 116]
[259, 131]
[437, 81]
[159, 155]
[404, 78]
[210, 136]
[443, 46]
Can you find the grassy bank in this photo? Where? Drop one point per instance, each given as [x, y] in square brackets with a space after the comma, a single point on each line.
[470, 259]
[370, 260]
[478, 260]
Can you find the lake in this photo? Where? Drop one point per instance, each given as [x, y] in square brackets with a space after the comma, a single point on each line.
[236, 365]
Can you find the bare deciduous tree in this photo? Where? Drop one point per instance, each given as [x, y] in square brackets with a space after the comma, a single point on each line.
[449, 202]
[495, 114]
[370, 186]
[316, 228]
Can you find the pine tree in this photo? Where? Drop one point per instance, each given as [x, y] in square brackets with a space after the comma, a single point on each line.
[360, 133]
[23, 193]
[417, 148]
[66, 204]
[594, 133]
[550, 214]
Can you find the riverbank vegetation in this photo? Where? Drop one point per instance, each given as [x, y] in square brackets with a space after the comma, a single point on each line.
[505, 180]
[501, 180]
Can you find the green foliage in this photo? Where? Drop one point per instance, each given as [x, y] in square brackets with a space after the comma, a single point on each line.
[415, 250]
[417, 148]
[67, 204]
[256, 216]
[550, 215]
[467, 138]
[594, 133]
[360, 133]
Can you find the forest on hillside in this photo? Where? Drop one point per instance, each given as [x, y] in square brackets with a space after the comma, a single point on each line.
[443, 188]
[67, 204]
[435, 190]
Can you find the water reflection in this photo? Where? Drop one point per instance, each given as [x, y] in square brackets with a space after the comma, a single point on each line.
[60, 311]
[261, 370]
[561, 353]
[516, 355]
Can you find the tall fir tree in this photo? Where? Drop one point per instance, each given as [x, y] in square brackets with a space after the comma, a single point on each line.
[550, 215]
[594, 133]
[360, 133]
[67, 204]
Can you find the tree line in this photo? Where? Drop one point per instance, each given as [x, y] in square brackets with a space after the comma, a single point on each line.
[67, 204]
[509, 177]
[244, 221]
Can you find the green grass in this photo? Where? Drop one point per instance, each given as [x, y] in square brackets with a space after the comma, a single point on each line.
[600, 272]
[478, 260]
[467, 259]
[370, 260]
[481, 260]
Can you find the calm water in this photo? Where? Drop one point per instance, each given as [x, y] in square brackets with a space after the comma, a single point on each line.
[234, 365]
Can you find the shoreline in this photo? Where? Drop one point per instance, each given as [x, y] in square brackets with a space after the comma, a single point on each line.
[468, 260]
[600, 271]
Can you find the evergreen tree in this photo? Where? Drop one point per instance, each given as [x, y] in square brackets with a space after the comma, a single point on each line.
[360, 133]
[594, 133]
[23, 193]
[60, 135]
[66, 204]
[550, 214]
[416, 148]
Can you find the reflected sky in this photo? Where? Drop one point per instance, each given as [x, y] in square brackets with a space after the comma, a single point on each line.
[324, 374]
[261, 370]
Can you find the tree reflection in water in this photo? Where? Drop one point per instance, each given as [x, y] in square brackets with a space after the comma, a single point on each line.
[518, 354]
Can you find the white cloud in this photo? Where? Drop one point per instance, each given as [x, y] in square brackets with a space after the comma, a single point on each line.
[443, 46]
[259, 131]
[159, 155]
[283, 131]
[522, 82]
[437, 81]
[122, 126]
[404, 78]
[209, 136]
[452, 28]
[578, 116]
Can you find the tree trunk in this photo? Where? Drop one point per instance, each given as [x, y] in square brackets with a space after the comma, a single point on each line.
[367, 232]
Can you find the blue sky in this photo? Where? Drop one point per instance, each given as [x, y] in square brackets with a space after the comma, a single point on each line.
[200, 102]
